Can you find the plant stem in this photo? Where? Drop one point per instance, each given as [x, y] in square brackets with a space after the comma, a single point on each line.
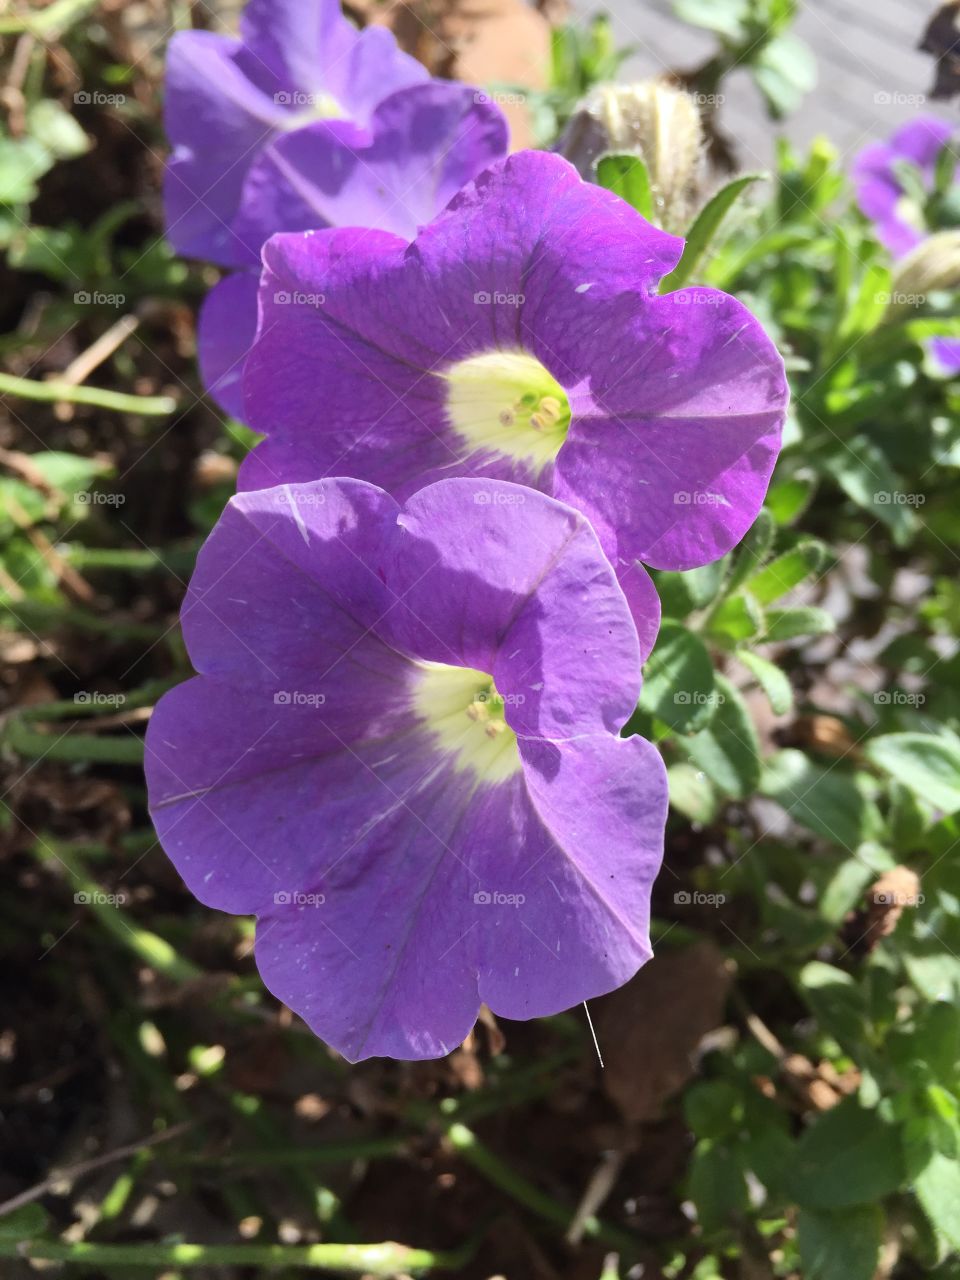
[150, 947]
[133, 560]
[73, 748]
[35, 616]
[78, 748]
[52, 21]
[482, 1159]
[100, 397]
[386, 1259]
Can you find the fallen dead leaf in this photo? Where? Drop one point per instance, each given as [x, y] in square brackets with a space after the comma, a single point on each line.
[650, 1030]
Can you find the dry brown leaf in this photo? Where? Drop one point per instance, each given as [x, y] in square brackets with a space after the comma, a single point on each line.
[649, 1031]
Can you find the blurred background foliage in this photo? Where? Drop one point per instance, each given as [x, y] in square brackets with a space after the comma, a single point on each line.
[780, 1092]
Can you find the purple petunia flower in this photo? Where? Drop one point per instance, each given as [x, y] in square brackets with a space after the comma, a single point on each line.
[946, 354]
[304, 122]
[232, 105]
[402, 754]
[520, 337]
[898, 221]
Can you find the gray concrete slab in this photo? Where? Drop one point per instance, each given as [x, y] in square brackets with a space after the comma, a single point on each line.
[871, 75]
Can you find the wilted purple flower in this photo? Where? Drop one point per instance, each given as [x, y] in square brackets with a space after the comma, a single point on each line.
[402, 754]
[520, 337]
[879, 181]
[304, 122]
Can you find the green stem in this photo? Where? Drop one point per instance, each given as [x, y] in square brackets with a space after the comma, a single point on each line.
[52, 21]
[99, 397]
[72, 748]
[482, 1159]
[76, 748]
[86, 705]
[132, 560]
[152, 949]
[33, 616]
[387, 1259]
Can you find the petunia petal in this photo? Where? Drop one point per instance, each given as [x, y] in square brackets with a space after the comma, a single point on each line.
[698, 413]
[590, 821]
[226, 327]
[673, 395]
[497, 577]
[397, 875]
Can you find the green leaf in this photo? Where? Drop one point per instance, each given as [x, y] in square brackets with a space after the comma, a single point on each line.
[737, 619]
[22, 1224]
[681, 593]
[933, 969]
[867, 309]
[753, 550]
[728, 750]
[50, 250]
[804, 620]
[945, 172]
[845, 888]
[864, 473]
[836, 1000]
[787, 571]
[627, 177]
[56, 130]
[691, 792]
[787, 499]
[705, 226]
[771, 680]
[929, 766]
[825, 800]
[937, 1187]
[785, 71]
[716, 1185]
[23, 162]
[908, 817]
[848, 1156]
[727, 19]
[67, 471]
[713, 1109]
[840, 1246]
[678, 680]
